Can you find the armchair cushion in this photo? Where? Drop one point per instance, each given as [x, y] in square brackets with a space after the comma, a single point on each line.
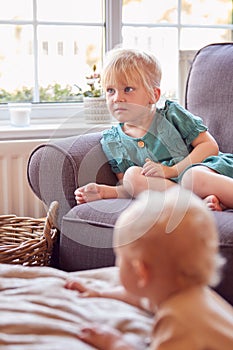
[209, 91]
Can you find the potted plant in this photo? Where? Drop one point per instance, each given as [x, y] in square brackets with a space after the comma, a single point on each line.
[95, 107]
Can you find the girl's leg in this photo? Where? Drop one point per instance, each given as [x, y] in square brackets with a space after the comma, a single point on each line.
[134, 182]
[215, 189]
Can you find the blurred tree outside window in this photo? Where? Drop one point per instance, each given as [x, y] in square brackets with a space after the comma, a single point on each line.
[48, 47]
[170, 26]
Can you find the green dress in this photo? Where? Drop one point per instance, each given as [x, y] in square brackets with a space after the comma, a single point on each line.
[168, 141]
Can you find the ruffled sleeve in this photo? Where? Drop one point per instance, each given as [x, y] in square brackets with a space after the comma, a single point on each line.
[115, 152]
[188, 125]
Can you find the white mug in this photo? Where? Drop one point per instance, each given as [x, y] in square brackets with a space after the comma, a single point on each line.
[20, 113]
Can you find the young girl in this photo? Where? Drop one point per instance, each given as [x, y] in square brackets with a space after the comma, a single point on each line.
[154, 148]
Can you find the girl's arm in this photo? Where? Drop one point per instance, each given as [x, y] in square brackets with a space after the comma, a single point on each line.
[204, 146]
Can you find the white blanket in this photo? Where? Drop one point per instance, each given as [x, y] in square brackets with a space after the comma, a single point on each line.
[38, 313]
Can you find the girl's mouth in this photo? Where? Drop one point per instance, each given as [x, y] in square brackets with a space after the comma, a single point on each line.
[119, 108]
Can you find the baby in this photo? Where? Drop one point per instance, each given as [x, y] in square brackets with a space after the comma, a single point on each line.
[167, 252]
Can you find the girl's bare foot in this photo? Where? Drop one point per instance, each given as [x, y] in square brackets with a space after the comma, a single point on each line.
[88, 193]
[213, 203]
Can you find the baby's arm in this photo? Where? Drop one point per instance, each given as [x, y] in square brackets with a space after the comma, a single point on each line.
[118, 293]
[106, 338]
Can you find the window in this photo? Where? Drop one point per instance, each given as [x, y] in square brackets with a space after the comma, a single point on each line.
[48, 47]
[170, 27]
[60, 48]
[45, 48]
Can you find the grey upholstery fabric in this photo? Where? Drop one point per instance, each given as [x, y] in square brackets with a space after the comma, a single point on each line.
[224, 221]
[55, 170]
[209, 94]
[88, 228]
[209, 91]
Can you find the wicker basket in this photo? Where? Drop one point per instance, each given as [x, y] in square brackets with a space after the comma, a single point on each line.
[28, 241]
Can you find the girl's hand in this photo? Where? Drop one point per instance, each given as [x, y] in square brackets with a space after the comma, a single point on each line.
[83, 290]
[88, 193]
[104, 338]
[153, 169]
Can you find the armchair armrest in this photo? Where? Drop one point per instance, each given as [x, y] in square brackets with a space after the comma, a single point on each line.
[57, 168]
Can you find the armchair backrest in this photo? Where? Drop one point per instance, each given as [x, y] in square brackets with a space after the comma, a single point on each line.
[209, 91]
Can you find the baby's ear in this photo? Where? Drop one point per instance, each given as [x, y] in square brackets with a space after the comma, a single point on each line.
[142, 273]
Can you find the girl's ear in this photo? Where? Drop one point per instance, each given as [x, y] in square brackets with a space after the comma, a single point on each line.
[142, 273]
[157, 93]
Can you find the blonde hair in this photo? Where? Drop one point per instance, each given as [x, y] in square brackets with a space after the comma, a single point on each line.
[174, 224]
[132, 66]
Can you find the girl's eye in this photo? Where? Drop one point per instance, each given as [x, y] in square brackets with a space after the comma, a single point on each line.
[110, 91]
[129, 89]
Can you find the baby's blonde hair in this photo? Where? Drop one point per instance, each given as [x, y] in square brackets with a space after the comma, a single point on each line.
[132, 66]
[175, 224]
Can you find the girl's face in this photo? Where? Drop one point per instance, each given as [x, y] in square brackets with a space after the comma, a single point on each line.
[128, 103]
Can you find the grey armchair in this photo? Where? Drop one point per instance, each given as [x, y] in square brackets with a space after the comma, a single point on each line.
[56, 169]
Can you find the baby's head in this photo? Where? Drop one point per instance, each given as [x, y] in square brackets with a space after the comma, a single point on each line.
[173, 234]
[131, 66]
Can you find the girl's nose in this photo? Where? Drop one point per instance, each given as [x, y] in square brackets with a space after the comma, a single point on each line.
[119, 96]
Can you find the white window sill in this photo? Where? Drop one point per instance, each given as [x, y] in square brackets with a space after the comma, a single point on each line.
[49, 130]
[63, 121]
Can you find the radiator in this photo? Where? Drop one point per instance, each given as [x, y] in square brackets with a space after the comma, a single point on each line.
[16, 195]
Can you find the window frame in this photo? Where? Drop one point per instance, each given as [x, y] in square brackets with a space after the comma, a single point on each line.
[45, 112]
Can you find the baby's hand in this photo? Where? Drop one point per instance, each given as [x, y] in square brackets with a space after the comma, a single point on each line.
[103, 338]
[83, 290]
[88, 193]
